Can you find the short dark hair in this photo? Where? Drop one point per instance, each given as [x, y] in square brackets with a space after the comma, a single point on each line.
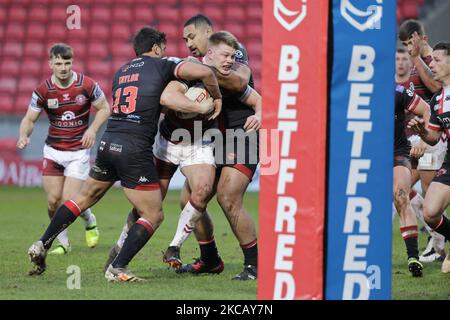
[401, 50]
[223, 37]
[443, 46]
[408, 27]
[146, 38]
[61, 50]
[198, 20]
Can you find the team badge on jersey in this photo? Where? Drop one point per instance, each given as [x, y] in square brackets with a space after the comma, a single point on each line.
[52, 103]
[80, 99]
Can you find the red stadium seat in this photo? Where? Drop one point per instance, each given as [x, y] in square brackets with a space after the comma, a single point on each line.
[172, 49]
[35, 32]
[13, 50]
[34, 49]
[122, 51]
[98, 50]
[254, 49]
[409, 10]
[237, 30]
[8, 85]
[32, 66]
[233, 13]
[121, 31]
[27, 85]
[254, 30]
[165, 13]
[3, 13]
[254, 13]
[101, 14]
[9, 67]
[81, 34]
[2, 32]
[188, 11]
[143, 15]
[15, 31]
[99, 31]
[78, 65]
[56, 32]
[8, 145]
[215, 14]
[21, 104]
[122, 14]
[6, 104]
[17, 14]
[98, 68]
[171, 30]
[58, 14]
[79, 49]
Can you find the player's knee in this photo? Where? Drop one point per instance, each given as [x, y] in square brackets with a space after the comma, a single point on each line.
[228, 202]
[430, 212]
[53, 202]
[200, 195]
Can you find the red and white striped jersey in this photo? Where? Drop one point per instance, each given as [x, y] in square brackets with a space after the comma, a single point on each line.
[67, 109]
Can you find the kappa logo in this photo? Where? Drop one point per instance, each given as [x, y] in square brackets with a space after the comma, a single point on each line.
[371, 17]
[143, 179]
[296, 17]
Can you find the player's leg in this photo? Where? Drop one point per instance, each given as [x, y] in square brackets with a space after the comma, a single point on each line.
[92, 191]
[436, 201]
[408, 222]
[209, 260]
[148, 204]
[53, 183]
[230, 195]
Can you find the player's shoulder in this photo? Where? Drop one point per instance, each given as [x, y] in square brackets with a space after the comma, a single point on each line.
[44, 87]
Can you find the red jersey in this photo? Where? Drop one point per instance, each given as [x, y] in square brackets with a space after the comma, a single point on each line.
[67, 109]
[415, 84]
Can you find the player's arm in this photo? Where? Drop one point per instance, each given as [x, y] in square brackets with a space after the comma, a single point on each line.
[26, 127]
[253, 99]
[420, 124]
[195, 71]
[173, 98]
[103, 113]
[237, 80]
[423, 70]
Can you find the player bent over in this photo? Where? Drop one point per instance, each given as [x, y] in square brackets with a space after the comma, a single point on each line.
[125, 152]
[66, 97]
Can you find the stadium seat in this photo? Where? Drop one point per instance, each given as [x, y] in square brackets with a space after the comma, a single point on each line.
[8, 145]
[165, 13]
[3, 13]
[13, 50]
[35, 32]
[409, 9]
[122, 51]
[121, 31]
[143, 15]
[78, 65]
[81, 34]
[79, 49]
[33, 49]
[254, 49]
[32, 65]
[99, 31]
[8, 85]
[38, 14]
[254, 13]
[15, 31]
[9, 67]
[98, 50]
[172, 49]
[56, 32]
[98, 68]
[101, 14]
[17, 14]
[215, 13]
[254, 30]
[233, 13]
[21, 104]
[237, 30]
[122, 14]
[27, 85]
[6, 104]
[172, 31]
[58, 14]
[188, 11]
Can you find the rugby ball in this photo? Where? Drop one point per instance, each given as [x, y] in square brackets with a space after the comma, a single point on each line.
[201, 95]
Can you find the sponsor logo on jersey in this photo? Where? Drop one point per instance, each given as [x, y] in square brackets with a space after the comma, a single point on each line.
[80, 99]
[114, 147]
[133, 65]
[52, 103]
[68, 115]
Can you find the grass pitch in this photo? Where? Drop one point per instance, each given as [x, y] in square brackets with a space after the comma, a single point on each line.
[23, 218]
